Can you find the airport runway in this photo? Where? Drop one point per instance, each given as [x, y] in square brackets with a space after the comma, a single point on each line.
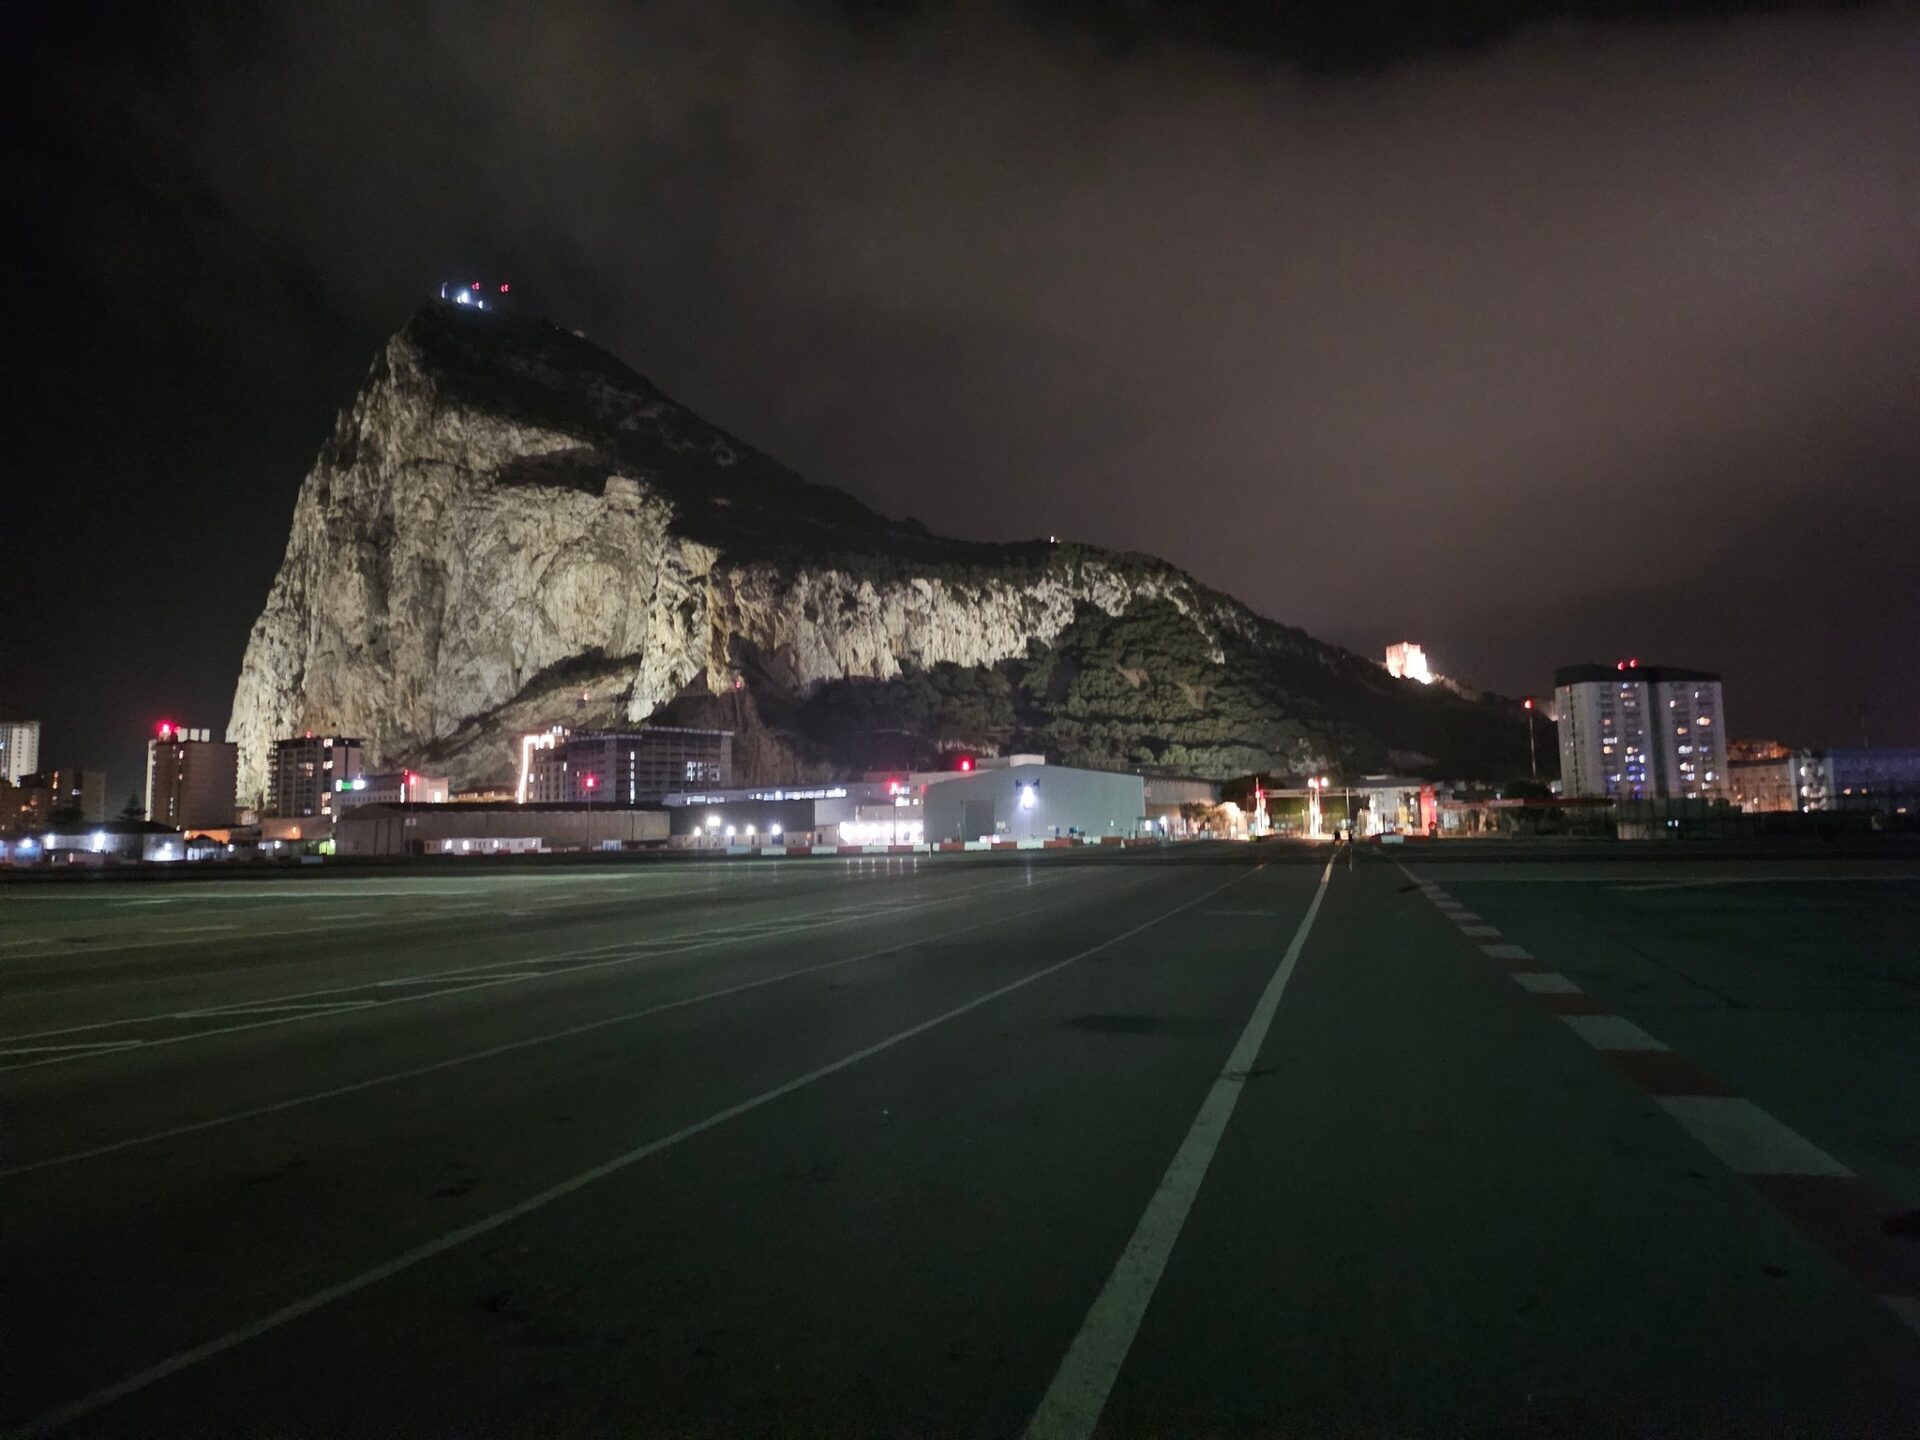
[1186, 1142]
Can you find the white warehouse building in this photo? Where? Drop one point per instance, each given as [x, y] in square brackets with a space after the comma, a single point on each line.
[1036, 802]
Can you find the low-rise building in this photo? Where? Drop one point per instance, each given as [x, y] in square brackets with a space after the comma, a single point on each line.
[427, 829]
[125, 840]
[1036, 802]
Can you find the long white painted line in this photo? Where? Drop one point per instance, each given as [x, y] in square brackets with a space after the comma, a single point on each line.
[1071, 1407]
[1746, 1139]
[186, 1359]
[1611, 1032]
[1545, 982]
[620, 952]
[511, 1046]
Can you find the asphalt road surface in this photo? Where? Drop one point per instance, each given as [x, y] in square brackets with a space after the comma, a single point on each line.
[1201, 1141]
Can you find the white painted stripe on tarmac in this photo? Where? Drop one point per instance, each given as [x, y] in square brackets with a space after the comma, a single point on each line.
[1507, 952]
[1071, 1407]
[1746, 1139]
[1545, 982]
[510, 1047]
[1481, 932]
[140, 1380]
[1611, 1032]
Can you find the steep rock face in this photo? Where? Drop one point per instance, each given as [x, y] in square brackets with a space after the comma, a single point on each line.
[508, 528]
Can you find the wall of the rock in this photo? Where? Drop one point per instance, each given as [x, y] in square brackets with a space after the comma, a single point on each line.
[446, 564]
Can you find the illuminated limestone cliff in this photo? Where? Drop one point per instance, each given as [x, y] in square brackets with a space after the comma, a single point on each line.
[507, 520]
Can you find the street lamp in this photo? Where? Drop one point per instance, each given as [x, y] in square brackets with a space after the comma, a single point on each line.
[1533, 757]
[1314, 785]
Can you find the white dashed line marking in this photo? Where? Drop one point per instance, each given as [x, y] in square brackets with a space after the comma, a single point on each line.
[1545, 982]
[1611, 1032]
[1508, 952]
[1746, 1139]
[1481, 932]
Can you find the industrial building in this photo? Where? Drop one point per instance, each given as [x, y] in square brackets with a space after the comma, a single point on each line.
[1036, 802]
[494, 829]
[306, 773]
[1641, 732]
[191, 779]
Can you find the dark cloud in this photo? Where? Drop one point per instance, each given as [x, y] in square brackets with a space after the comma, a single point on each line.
[1527, 341]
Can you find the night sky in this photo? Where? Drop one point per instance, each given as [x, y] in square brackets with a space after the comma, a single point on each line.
[1535, 335]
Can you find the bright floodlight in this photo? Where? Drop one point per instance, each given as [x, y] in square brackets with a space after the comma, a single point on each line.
[774, 831]
[1027, 797]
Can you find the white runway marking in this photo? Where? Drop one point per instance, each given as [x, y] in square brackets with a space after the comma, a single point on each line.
[1611, 1032]
[1480, 932]
[1545, 982]
[186, 1359]
[1746, 1139]
[1507, 952]
[1071, 1407]
[510, 1047]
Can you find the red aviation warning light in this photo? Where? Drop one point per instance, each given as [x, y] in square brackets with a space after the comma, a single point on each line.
[1528, 702]
[966, 764]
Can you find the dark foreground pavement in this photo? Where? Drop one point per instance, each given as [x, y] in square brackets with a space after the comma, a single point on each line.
[1189, 1142]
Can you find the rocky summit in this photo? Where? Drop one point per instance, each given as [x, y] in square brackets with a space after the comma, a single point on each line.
[509, 529]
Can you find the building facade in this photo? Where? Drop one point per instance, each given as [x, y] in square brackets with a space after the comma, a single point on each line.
[397, 787]
[19, 750]
[622, 767]
[1641, 732]
[305, 775]
[1036, 802]
[191, 779]
[79, 792]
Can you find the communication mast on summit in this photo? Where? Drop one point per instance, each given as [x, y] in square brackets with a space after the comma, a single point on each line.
[473, 293]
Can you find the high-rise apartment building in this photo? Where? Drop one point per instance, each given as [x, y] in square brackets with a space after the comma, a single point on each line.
[1641, 732]
[191, 779]
[305, 774]
[19, 749]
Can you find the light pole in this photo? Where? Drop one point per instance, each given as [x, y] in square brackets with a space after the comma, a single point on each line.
[1533, 757]
[1314, 784]
[591, 782]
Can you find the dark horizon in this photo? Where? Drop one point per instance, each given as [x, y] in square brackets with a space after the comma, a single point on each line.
[1536, 342]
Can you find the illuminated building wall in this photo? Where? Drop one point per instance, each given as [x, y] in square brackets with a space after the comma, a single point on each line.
[191, 779]
[624, 767]
[306, 772]
[19, 749]
[1407, 661]
[1641, 731]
